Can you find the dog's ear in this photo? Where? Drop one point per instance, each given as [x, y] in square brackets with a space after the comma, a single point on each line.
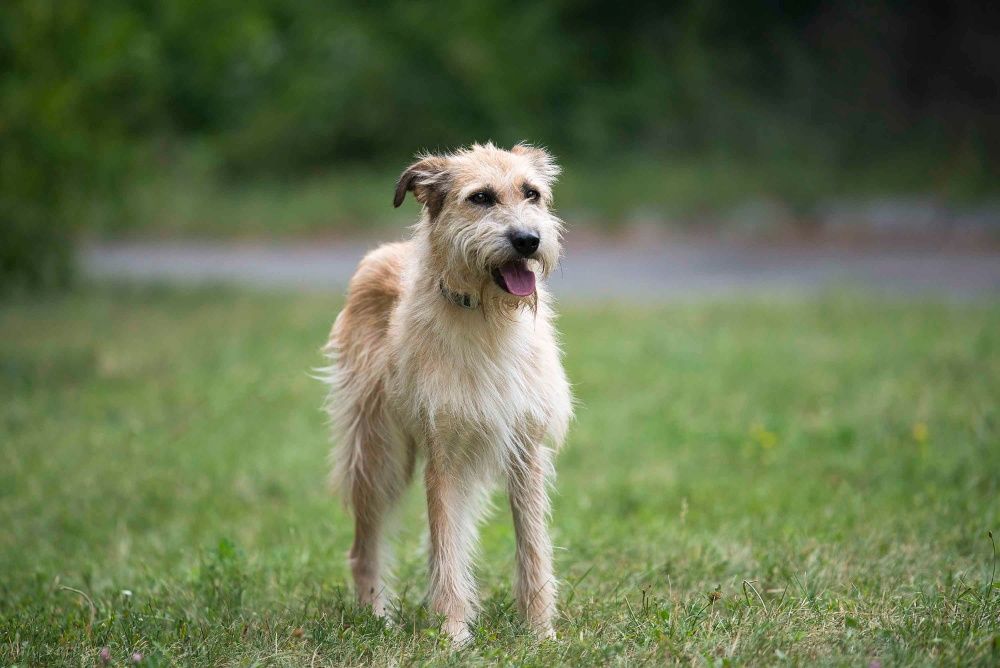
[541, 160]
[427, 179]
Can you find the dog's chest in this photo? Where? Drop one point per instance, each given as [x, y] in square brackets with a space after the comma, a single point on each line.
[479, 393]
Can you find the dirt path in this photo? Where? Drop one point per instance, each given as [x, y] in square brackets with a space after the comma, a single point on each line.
[590, 271]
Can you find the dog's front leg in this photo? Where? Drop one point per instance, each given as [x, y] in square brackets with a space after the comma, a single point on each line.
[452, 510]
[535, 587]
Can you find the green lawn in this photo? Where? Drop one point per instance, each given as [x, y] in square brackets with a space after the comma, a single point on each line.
[745, 483]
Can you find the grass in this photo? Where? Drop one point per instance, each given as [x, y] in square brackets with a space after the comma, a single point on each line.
[768, 482]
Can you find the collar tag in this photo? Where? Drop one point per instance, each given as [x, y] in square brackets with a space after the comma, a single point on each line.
[460, 299]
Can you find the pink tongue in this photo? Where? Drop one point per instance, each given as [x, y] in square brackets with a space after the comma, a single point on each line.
[518, 278]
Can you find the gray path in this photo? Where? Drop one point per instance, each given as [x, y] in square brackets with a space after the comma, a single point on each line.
[590, 271]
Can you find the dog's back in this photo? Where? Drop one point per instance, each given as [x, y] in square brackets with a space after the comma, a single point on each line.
[371, 295]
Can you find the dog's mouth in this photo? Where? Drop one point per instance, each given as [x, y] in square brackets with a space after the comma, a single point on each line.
[515, 277]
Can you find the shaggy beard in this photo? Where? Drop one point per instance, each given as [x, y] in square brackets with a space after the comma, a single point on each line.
[469, 257]
[476, 271]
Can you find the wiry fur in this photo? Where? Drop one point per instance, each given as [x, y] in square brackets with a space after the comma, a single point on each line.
[477, 395]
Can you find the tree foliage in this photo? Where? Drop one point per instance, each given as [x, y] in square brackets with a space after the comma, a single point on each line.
[288, 86]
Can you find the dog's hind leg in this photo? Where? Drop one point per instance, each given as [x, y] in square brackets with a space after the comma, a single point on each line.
[535, 586]
[374, 491]
[373, 461]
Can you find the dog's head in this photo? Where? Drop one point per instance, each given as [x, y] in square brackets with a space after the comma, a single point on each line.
[487, 217]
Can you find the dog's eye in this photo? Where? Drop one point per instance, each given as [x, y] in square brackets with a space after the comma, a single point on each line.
[531, 194]
[482, 198]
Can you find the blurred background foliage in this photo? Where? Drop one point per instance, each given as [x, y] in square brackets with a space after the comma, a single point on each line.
[96, 97]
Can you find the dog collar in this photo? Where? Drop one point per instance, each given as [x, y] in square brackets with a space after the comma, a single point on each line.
[461, 299]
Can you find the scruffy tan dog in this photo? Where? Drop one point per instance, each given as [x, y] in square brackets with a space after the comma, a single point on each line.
[446, 353]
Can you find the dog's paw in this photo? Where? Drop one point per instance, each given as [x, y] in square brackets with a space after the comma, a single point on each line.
[458, 632]
[545, 632]
[375, 604]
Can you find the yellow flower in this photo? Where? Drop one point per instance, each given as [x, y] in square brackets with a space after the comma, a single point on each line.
[765, 438]
[920, 432]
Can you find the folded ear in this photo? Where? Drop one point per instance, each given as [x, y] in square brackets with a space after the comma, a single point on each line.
[427, 179]
[541, 160]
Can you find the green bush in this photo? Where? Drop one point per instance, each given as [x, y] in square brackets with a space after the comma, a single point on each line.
[70, 103]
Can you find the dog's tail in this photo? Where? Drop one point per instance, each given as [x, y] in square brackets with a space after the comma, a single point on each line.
[346, 455]
[369, 462]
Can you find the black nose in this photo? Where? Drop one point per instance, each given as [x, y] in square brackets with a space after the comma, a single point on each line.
[524, 242]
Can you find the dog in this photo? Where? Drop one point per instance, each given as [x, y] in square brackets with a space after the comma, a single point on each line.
[445, 353]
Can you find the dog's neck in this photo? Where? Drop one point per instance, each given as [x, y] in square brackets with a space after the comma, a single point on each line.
[460, 299]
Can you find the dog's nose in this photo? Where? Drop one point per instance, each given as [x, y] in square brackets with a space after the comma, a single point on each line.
[524, 242]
